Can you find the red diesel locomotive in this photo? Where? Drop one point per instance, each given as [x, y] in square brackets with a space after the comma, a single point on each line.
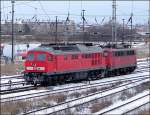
[60, 63]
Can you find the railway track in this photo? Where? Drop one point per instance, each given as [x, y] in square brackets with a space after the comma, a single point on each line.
[15, 90]
[142, 70]
[143, 60]
[86, 99]
[12, 84]
[62, 90]
[28, 96]
[12, 77]
[128, 105]
[133, 109]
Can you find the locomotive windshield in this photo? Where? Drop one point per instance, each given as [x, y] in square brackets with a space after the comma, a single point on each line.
[41, 57]
[30, 57]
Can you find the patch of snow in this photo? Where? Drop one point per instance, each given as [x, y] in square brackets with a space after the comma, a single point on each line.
[87, 99]
[128, 107]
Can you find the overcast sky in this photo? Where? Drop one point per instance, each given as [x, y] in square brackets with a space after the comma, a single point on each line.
[49, 9]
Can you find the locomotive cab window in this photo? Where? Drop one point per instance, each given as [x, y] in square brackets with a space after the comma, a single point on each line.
[30, 57]
[41, 57]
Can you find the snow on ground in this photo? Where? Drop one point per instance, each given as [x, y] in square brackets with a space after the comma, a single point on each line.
[21, 93]
[128, 107]
[99, 81]
[11, 87]
[10, 76]
[83, 100]
[143, 59]
[138, 44]
[79, 84]
[12, 79]
[59, 87]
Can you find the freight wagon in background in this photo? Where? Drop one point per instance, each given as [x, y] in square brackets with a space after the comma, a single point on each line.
[51, 64]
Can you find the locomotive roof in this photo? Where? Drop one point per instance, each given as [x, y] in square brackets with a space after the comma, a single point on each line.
[119, 49]
[65, 49]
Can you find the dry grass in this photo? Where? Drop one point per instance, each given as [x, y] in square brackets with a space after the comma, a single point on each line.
[144, 112]
[125, 95]
[129, 93]
[142, 54]
[15, 107]
[100, 105]
[65, 112]
[75, 94]
[89, 91]
[146, 85]
[92, 90]
[10, 69]
[57, 98]
[22, 106]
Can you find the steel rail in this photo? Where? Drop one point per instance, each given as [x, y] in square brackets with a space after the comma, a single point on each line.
[15, 90]
[124, 104]
[70, 104]
[80, 87]
[136, 108]
[12, 84]
[13, 76]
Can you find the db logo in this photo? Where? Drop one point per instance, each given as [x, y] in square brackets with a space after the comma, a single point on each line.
[34, 65]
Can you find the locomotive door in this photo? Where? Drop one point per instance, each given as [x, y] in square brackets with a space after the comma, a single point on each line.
[51, 63]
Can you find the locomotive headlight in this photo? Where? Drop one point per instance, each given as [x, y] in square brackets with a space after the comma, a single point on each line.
[29, 68]
[40, 68]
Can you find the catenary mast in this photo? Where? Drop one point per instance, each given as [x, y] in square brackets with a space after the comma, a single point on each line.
[12, 34]
[114, 28]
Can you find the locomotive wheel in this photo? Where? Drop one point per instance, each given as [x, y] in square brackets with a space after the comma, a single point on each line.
[54, 81]
[35, 82]
[61, 80]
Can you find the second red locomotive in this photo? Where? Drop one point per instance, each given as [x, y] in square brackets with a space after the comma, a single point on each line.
[60, 63]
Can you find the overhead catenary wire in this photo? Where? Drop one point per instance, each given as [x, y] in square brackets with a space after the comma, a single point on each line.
[42, 8]
[91, 15]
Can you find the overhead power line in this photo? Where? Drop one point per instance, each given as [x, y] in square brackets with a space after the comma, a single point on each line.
[87, 15]
[42, 8]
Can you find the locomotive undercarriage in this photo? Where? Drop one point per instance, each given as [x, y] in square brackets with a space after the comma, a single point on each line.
[74, 77]
[53, 79]
[119, 71]
[45, 79]
[34, 78]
